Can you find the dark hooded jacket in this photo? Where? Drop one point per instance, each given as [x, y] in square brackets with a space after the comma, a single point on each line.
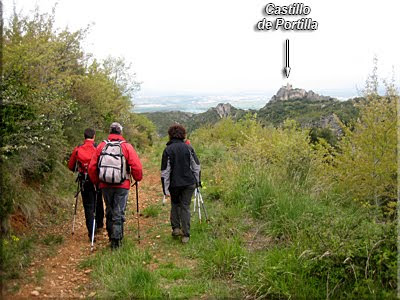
[179, 166]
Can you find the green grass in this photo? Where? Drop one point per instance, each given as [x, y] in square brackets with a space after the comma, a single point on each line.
[118, 274]
[286, 272]
[224, 259]
[171, 272]
[320, 247]
[123, 273]
[180, 282]
[152, 211]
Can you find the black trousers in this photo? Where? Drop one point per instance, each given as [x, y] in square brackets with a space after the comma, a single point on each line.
[89, 197]
[116, 199]
[181, 197]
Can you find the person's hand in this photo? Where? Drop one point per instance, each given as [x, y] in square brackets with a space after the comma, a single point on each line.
[164, 200]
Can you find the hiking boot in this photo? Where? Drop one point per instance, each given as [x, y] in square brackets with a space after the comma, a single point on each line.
[177, 232]
[185, 240]
[115, 244]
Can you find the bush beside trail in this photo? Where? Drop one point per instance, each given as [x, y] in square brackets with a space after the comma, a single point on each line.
[326, 214]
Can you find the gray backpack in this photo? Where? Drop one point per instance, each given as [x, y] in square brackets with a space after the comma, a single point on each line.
[112, 163]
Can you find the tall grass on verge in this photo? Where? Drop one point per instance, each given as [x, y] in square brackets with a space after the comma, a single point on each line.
[319, 247]
[319, 243]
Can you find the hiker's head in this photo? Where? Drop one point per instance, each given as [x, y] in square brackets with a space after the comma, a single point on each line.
[116, 128]
[177, 131]
[89, 133]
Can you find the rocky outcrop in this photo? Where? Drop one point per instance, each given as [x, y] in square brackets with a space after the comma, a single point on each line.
[289, 93]
[223, 109]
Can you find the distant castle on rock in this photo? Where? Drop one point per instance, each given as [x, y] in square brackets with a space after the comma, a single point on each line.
[289, 93]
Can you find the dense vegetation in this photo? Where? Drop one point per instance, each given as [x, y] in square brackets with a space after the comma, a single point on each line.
[307, 112]
[51, 91]
[312, 221]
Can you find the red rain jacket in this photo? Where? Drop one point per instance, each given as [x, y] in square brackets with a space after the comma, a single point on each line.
[132, 160]
[81, 156]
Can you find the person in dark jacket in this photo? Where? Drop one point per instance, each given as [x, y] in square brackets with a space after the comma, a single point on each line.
[116, 194]
[79, 161]
[180, 175]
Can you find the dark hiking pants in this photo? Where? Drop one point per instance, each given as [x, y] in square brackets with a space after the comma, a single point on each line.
[89, 196]
[115, 199]
[181, 198]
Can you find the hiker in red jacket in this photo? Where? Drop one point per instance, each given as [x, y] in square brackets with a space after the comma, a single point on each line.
[79, 161]
[112, 164]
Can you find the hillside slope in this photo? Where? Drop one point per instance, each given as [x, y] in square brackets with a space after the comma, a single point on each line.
[191, 121]
[163, 120]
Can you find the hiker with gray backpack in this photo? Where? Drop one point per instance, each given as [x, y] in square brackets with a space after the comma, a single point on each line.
[111, 166]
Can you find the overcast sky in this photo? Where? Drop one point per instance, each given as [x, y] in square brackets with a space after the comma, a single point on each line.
[210, 46]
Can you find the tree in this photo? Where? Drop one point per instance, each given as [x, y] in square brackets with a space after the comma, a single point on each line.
[366, 162]
[50, 94]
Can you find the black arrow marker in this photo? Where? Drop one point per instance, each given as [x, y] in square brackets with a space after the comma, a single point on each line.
[287, 67]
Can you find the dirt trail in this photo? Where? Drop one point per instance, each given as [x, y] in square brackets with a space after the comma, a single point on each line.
[59, 276]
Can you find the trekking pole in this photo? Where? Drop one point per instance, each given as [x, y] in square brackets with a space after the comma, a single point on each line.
[198, 204]
[137, 210]
[76, 205]
[195, 201]
[94, 220]
[203, 206]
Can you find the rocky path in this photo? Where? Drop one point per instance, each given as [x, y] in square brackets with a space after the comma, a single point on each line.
[60, 276]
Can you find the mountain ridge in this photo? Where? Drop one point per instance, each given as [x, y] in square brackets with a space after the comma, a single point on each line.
[308, 108]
